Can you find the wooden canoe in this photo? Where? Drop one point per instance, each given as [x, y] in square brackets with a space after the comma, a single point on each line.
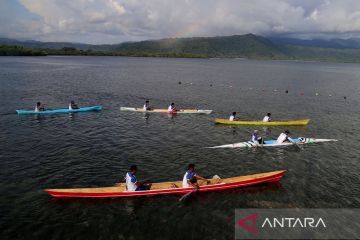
[300, 122]
[161, 110]
[166, 188]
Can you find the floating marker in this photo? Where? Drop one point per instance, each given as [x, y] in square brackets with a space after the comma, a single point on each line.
[317, 94]
[179, 82]
[286, 91]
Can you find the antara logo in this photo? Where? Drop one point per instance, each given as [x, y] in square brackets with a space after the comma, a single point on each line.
[293, 222]
[286, 222]
[253, 223]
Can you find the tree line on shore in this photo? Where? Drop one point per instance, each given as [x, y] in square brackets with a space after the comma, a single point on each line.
[13, 50]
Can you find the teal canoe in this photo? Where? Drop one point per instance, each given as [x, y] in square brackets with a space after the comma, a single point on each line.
[62, 110]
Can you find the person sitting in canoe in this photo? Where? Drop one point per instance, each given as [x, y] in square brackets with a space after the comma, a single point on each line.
[190, 178]
[232, 117]
[284, 137]
[255, 138]
[147, 106]
[73, 106]
[39, 107]
[132, 184]
[267, 118]
[172, 108]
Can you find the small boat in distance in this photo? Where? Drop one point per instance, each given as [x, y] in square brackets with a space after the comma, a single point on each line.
[166, 188]
[272, 143]
[300, 122]
[62, 110]
[160, 110]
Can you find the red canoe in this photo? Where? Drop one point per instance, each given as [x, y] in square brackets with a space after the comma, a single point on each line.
[165, 188]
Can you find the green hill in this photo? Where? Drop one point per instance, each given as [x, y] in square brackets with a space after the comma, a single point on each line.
[242, 46]
[248, 46]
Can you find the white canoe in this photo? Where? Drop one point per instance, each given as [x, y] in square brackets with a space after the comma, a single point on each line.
[160, 110]
[272, 143]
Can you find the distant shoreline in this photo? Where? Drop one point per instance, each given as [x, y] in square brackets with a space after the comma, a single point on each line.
[248, 46]
[13, 50]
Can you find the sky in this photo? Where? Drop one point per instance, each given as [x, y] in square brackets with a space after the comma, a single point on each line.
[115, 21]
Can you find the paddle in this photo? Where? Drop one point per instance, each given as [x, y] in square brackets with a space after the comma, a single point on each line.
[295, 144]
[189, 194]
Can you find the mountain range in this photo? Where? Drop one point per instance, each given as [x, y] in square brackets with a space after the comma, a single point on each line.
[245, 46]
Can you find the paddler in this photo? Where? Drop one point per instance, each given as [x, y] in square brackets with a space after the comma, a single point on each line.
[172, 108]
[284, 137]
[255, 138]
[147, 106]
[132, 184]
[232, 117]
[72, 105]
[267, 118]
[39, 107]
[190, 177]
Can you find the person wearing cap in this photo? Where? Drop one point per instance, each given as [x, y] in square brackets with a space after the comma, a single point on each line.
[190, 177]
[132, 184]
[267, 118]
[172, 108]
[255, 138]
[284, 137]
[232, 117]
[72, 105]
[147, 106]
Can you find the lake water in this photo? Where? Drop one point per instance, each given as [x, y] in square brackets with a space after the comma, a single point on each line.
[96, 148]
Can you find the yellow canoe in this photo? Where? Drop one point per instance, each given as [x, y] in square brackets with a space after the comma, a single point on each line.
[300, 122]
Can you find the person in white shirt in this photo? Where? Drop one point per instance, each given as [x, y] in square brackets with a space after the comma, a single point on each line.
[267, 118]
[147, 106]
[190, 178]
[284, 137]
[132, 184]
[172, 108]
[232, 117]
[73, 106]
[255, 138]
[39, 107]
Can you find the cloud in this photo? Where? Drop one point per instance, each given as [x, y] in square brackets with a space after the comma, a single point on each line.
[113, 21]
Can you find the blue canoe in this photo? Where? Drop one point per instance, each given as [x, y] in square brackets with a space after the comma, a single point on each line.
[63, 110]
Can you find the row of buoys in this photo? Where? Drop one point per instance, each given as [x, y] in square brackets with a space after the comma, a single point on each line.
[275, 90]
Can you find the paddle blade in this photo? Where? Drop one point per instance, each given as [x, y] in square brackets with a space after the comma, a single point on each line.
[186, 196]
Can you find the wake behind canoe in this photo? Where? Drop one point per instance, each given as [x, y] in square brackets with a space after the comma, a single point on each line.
[166, 188]
[300, 122]
[160, 110]
[62, 110]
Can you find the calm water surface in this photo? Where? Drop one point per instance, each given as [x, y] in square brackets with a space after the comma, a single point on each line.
[96, 149]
